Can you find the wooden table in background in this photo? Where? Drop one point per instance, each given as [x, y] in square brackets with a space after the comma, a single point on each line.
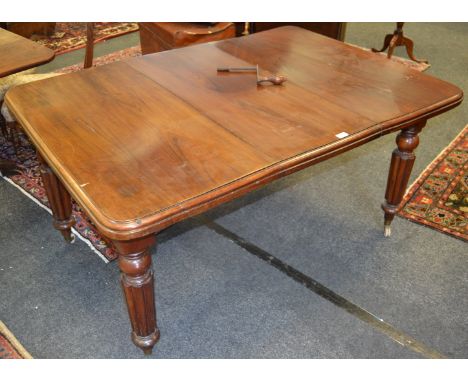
[16, 54]
[144, 143]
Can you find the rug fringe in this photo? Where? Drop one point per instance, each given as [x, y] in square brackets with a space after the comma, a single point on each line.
[77, 234]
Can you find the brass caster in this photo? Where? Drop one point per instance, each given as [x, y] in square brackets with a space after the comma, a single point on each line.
[387, 231]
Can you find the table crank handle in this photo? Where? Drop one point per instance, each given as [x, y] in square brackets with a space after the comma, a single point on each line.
[238, 69]
[275, 80]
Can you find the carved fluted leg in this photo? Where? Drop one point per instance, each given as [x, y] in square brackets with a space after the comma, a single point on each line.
[59, 200]
[400, 170]
[138, 286]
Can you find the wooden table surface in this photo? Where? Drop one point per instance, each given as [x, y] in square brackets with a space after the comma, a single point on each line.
[143, 143]
[18, 53]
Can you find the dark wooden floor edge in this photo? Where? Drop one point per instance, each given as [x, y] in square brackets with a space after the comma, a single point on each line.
[360, 313]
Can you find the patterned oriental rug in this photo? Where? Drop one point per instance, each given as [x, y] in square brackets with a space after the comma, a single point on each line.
[439, 197]
[72, 36]
[10, 348]
[28, 179]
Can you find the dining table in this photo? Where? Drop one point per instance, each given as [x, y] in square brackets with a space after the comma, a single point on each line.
[146, 142]
[18, 53]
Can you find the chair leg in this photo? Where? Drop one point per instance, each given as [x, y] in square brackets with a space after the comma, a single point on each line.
[3, 126]
[2, 122]
[59, 200]
[409, 50]
[89, 51]
[398, 39]
[7, 166]
[386, 44]
[13, 134]
[391, 47]
[17, 136]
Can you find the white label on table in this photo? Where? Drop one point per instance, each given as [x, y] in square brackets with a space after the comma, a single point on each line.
[342, 135]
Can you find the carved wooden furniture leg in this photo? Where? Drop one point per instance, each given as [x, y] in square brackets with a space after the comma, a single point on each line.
[13, 134]
[400, 170]
[246, 30]
[4, 130]
[59, 200]
[398, 39]
[138, 286]
[89, 51]
[409, 50]
[387, 40]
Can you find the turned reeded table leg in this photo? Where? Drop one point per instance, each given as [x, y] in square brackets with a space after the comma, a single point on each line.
[138, 285]
[400, 170]
[59, 200]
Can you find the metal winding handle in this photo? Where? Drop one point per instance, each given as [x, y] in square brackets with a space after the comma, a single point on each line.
[238, 69]
[275, 80]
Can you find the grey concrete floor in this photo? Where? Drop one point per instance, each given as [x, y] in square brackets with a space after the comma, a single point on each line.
[217, 300]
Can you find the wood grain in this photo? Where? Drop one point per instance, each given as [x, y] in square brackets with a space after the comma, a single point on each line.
[147, 142]
[18, 53]
[144, 143]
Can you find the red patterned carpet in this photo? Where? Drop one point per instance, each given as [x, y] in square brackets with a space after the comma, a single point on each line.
[439, 197]
[72, 36]
[10, 348]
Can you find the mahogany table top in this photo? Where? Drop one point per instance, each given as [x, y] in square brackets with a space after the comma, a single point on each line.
[18, 53]
[146, 142]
